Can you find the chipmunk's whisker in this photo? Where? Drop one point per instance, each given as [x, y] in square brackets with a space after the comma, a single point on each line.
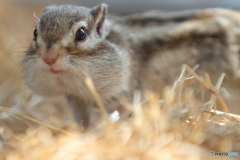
[29, 66]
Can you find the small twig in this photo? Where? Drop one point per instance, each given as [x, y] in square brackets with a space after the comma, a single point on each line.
[222, 113]
[213, 97]
[182, 75]
[217, 87]
[189, 78]
[4, 109]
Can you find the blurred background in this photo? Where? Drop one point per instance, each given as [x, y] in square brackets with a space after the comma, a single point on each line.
[16, 14]
[141, 5]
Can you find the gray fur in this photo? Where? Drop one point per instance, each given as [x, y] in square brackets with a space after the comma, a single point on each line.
[137, 52]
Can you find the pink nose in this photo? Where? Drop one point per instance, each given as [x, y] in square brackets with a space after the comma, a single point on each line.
[49, 57]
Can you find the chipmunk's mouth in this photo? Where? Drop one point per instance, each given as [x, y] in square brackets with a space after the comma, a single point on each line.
[55, 71]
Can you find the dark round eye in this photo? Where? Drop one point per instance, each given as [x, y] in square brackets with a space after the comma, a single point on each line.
[80, 35]
[35, 34]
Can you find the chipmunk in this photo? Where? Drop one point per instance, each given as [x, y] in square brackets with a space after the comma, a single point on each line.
[142, 51]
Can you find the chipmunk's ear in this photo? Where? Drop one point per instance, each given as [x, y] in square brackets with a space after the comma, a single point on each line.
[99, 14]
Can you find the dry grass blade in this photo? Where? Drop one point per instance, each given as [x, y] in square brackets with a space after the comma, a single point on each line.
[182, 76]
[213, 97]
[97, 98]
[207, 85]
[4, 109]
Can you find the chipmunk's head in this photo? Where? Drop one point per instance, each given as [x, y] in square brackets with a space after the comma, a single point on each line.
[69, 42]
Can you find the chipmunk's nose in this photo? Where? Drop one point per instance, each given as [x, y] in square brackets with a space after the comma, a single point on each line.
[49, 57]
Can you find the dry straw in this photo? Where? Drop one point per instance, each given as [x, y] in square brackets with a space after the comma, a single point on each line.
[168, 129]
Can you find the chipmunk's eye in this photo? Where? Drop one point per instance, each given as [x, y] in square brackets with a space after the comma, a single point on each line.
[35, 34]
[80, 35]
